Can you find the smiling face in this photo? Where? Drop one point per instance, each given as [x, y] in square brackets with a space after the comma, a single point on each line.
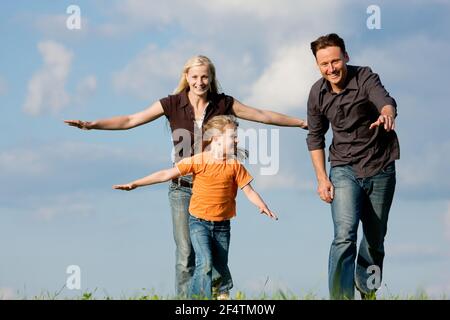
[332, 64]
[225, 144]
[198, 78]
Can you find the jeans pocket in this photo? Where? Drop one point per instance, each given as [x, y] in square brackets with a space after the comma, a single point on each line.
[195, 224]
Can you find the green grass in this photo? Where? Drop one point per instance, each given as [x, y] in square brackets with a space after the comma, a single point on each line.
[145, 294]
[239, 295]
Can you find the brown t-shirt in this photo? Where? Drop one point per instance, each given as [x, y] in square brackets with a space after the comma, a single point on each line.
[180, 114]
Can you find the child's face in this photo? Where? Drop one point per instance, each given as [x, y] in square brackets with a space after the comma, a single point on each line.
[227, 141]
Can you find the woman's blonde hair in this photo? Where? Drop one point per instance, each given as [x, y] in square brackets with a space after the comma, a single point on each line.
[195, 62]
[216, 126]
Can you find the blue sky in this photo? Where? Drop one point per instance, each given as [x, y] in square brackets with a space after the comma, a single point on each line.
[57, 207]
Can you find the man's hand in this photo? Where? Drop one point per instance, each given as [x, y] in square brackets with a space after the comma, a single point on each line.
[325, 190]
[387, 120]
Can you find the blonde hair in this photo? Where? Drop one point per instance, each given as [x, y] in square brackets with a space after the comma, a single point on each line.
[196, 61]
[216, 126]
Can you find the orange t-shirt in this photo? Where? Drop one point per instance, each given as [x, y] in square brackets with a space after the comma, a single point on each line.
[215, 185]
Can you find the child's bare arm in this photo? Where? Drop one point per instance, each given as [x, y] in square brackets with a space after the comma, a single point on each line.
[255, 198]
[156, 177]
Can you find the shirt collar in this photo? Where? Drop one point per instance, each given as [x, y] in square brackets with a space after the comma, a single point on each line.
[184, 102]
[352, 84]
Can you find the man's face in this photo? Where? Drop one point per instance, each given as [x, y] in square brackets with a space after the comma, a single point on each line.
[332, 65]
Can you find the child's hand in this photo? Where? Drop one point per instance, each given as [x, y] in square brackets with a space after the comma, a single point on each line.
[126, 187]
[267, 212]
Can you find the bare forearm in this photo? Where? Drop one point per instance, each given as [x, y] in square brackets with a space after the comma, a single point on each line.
[114, 123]
[265, 116]
[280, 119]
[318, 160]
[157, 177]
[325, 188]
[121, 122]
[256, 199]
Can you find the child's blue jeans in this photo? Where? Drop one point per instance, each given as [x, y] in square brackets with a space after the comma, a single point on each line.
[210, 240]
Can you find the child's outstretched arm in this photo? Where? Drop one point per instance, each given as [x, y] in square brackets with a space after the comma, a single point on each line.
[156, 177]
[255, 198]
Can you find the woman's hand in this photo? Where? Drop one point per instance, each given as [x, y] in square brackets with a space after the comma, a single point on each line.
[126, 187]
[84, 125]
[304, 124]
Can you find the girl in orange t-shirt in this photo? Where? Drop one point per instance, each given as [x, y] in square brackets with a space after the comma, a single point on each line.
[217, 175]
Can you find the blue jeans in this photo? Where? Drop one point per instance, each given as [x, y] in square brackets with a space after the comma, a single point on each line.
[358, 199]
[211, 241]
[179, 198]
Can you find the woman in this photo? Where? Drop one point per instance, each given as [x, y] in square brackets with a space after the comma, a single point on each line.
[194, 102]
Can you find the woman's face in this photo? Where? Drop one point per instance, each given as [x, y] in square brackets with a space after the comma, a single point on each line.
[198, 79]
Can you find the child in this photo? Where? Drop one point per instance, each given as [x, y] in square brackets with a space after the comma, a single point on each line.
[217, 175]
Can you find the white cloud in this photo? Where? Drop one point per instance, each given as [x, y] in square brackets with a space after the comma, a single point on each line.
[46, 89]
[274, 69]
[285, 15]
[283, 85]
[151, 72]
[286, 82]
[283, 10]
[86, 88]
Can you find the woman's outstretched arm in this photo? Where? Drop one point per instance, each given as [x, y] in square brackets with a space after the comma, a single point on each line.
[121, 122]
[265, 116]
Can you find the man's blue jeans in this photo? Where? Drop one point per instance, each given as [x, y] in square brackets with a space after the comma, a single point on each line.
[211, 241]
[358, 199]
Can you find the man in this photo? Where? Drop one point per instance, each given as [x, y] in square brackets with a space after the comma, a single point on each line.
[362, 155]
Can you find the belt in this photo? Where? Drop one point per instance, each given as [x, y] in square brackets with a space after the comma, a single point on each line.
[182, 183]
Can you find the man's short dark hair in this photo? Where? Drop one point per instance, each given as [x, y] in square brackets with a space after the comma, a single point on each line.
[329, 40]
